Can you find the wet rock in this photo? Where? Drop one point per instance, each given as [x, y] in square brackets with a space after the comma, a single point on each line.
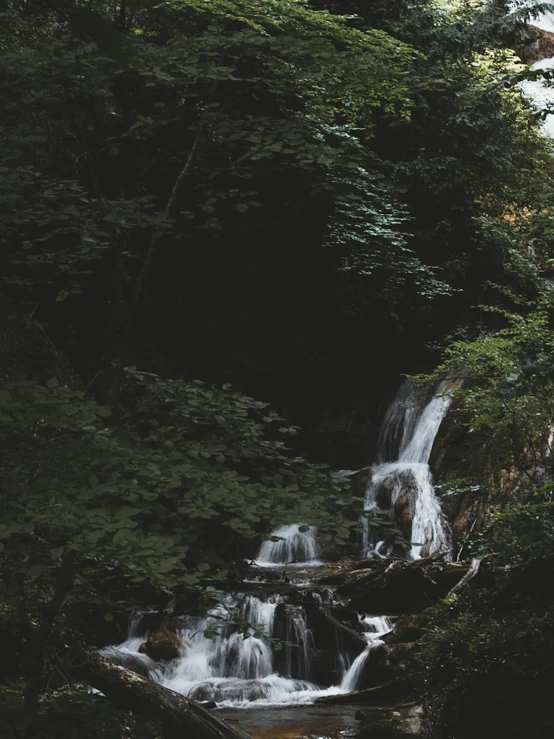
[209, 705]
[376, 669]
[400, 657]
[140, 664]
[386, 663]
[408, 628]
[404, 511]
[401, 587]
[336, 625]
[162, 645]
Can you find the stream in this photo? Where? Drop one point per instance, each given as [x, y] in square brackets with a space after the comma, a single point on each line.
[284, 638]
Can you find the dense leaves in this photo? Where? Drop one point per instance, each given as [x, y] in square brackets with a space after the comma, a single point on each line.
[487, 652]
[257, 192]
[166, 494]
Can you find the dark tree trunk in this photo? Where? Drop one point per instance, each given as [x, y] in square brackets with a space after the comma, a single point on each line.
[179, 716]
[39, 635]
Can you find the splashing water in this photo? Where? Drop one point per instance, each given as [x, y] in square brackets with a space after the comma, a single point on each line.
[236, 667]
[401, 481]
[233, 668]
[294, 547]
[377, 627]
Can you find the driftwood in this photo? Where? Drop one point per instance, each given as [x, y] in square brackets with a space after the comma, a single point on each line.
[180, 717]
[473, 571]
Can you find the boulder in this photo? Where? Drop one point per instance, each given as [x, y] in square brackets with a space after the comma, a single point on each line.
[400, 657]
[540, 45]
[408, 628]
[162, 645]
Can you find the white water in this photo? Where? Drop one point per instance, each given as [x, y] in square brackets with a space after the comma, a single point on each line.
[545, 20]
[402, 476]
[293, 547]
[235, 666]
[377, 627]
[540, 94]
[236, 669]
[298, 642]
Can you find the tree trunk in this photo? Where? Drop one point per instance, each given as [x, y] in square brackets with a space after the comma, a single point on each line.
[38, 635]
[181, 718]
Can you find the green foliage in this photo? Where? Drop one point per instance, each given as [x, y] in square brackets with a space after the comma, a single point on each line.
[166, 494]
[486, 672]
[485, 656]
[197, 66]
[68, 712]
[296, 174]
[506, 391]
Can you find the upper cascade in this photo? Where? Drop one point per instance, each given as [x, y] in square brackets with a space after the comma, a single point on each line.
[401, 480]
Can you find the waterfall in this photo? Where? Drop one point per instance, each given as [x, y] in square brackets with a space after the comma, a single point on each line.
[541, 95]
[297, 641]
[377, 627]
[127, 654]
[401, 481]
[351, 679]
[235, 667]
[256, 649]
[546, 20]
[293, 547]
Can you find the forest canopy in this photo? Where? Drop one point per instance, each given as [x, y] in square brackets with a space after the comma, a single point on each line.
[227, 229]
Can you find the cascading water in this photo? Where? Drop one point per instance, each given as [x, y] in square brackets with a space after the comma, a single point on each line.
[228, 655]
[234, 667]
[377, 627]
[294, 546]
[401, 481]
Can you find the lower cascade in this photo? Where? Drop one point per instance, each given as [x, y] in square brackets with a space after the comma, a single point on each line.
[227, 656]
[282, 637]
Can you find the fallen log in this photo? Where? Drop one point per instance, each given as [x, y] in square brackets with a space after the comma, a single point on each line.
[179, 716]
